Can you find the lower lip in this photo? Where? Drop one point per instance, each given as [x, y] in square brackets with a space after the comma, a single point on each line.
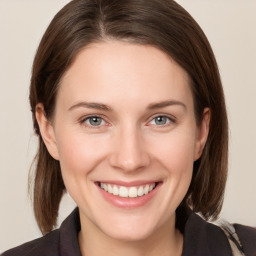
[128, 202]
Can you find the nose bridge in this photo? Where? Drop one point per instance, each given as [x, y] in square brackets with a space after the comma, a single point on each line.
[130, 153]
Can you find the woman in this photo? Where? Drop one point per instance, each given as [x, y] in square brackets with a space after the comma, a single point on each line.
[128, 105]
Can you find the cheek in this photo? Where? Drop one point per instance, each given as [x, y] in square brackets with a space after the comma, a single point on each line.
[79, 154]
[176, 152]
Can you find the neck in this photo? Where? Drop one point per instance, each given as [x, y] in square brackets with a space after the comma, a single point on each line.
[166, 241]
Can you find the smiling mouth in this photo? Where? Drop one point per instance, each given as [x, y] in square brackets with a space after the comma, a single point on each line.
[127, 192]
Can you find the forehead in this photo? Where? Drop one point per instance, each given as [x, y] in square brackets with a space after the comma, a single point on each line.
[119, 70]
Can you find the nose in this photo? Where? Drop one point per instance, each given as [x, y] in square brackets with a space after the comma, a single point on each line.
[129, 151]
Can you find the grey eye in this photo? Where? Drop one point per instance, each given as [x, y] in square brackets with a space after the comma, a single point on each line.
[94, 121]
[160, 120]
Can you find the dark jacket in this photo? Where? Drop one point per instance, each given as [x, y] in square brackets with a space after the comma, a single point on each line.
[200, 239]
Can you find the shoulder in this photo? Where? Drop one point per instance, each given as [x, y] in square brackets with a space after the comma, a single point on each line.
[46, 245]
[203, 238]
[247, 237]
[62, 241]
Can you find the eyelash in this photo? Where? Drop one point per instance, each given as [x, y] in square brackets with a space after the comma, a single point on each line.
[87, 118]
[170, 120]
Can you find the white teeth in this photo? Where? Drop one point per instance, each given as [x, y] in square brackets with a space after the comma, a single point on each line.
[110, 190]
[146, 189]
[115, 191]
[132, 192]
[140, 191]
[123, 192]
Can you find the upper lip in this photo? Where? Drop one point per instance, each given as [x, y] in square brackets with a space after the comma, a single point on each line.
[129, 183]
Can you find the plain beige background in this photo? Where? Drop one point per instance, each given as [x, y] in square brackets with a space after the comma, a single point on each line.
[231, 28]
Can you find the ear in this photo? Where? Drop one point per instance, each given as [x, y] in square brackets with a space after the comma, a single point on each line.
[202, 133]
[47, 131]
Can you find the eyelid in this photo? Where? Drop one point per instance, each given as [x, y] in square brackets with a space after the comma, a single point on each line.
[170, 117]
[82, 120]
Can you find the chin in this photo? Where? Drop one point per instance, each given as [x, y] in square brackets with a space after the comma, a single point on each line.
[130, 235]
[130, 229]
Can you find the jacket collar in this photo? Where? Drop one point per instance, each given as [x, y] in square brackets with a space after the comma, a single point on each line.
[204, 239]
[69, 230]
[200, 237]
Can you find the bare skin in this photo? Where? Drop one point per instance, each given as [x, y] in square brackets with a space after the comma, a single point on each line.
[125, 117]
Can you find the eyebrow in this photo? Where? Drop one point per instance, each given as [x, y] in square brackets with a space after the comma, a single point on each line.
[166, 103]
[101, 106]
[92, 105]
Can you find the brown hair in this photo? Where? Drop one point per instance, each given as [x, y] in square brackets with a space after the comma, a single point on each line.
[163, 24]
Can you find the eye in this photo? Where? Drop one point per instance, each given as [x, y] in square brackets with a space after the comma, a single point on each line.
[94, 121]
[160, 120]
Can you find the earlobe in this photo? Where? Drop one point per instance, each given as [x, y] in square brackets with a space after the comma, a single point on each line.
[47, 131]
[202, 134]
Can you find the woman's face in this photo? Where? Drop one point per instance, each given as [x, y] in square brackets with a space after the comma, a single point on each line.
[125, 134]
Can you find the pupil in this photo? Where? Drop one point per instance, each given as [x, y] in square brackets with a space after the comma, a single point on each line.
[161, 120]
[95, 121]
